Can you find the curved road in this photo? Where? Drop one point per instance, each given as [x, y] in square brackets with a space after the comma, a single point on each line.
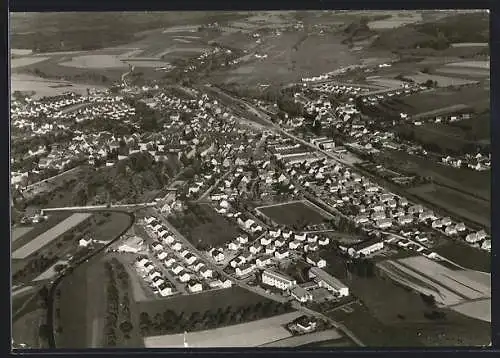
[58, 280]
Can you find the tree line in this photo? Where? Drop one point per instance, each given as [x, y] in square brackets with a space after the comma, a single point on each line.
[172, 322]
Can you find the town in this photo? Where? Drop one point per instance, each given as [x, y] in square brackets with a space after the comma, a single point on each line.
[182, 211]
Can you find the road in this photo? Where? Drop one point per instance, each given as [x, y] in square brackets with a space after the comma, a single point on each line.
[100, 207]
[209, 190]
[67, 272]
[51, 178]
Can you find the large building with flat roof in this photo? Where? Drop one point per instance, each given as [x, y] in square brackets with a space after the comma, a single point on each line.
[278, 280]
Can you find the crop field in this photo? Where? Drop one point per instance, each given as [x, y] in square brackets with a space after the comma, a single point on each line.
[469, 181]
[463, 71]
[38, 229]
[448, 287]
[466, 256]
[49, 235]
[474, 209]
[25, 61]
[288, 58]
[43, 87]
[251, 334]
[442, 81]
[471, 64]
[475, 97]
[20, 231]
[25, 329]
[76, 292]
[308, 339]
[477, 309]
[295, 214]
[395, 21]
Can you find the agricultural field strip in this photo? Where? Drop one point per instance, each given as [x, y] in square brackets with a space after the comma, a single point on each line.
[408, 279]
[436, 112]
[249, 334]
[20, 231]
[297, 341]
[442, 276]
[50, 235]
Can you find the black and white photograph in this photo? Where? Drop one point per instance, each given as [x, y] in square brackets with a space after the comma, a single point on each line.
[250, 179]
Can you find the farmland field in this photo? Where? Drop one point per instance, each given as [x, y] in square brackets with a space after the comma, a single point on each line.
[309, 339]
[20, 231]
[38, 229]
[44, 87]
[25, 329]
[470, 181]
[456, 202]
[25, 61]
[475, 97]
[442, 81]
[466, 256]
[50, 235]
[393, 316]
[295, 214]
[251, 334]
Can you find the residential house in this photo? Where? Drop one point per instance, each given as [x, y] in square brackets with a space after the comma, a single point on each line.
[301, 294]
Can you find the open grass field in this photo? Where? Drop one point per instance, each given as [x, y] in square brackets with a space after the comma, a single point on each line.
[469, 181]
[251, 334]
[49, 235]
[466, 256]
[456, 202]
[26, 61]
[295, 214]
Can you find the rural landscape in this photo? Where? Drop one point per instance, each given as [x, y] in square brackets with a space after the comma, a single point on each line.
[271, 179]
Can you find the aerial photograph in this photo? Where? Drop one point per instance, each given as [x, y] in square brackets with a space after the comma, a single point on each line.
[266, 179]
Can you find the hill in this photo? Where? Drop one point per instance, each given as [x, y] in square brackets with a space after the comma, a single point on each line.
[49, 32]
[439, 35]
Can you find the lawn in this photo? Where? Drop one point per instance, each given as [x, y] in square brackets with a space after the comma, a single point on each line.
[466, 256]
[456, 202]
[296, 215]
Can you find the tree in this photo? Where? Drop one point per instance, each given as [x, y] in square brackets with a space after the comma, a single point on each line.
[126, 327]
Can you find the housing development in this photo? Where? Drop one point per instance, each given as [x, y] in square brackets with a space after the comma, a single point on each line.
[250, 179]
